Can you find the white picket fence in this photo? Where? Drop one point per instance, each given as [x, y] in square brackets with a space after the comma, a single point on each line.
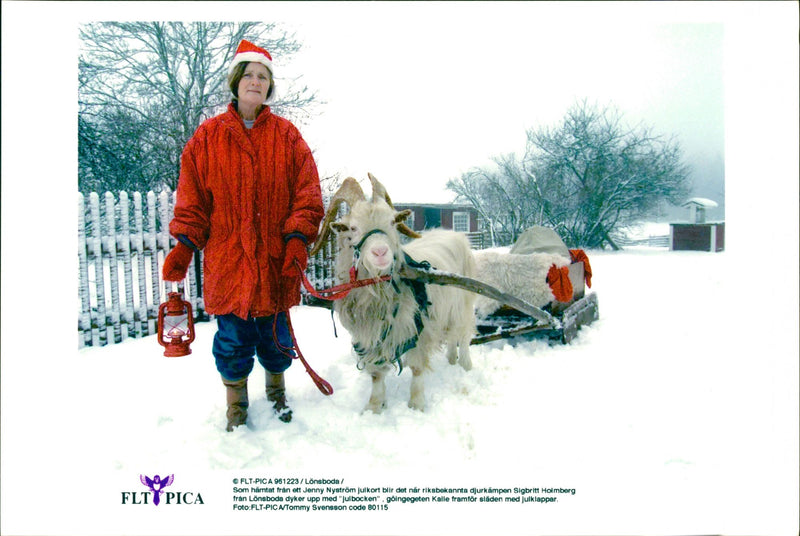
[121, 248]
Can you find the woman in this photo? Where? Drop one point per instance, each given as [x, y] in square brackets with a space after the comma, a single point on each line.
[249, 195]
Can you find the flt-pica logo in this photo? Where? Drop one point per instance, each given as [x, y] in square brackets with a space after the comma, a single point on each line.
[156, 494]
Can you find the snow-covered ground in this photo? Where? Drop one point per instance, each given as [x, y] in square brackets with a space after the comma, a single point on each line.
[676, 412]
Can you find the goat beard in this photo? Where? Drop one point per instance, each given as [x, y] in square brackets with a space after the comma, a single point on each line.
[375, 311]
[379, 318]
[378, 291]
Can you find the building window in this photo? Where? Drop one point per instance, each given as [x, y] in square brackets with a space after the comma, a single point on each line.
[461, 222]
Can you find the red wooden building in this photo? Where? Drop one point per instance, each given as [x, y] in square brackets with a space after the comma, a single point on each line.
[462, 218]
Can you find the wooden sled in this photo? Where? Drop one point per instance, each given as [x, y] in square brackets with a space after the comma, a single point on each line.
[509, 322]
[516, 318]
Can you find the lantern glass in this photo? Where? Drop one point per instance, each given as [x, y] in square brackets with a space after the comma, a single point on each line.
[176, 326]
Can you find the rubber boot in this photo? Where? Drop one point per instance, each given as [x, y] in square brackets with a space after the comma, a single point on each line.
[276, 393]
[236, 395]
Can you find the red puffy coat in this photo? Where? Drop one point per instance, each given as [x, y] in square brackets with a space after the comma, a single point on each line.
[240, 193]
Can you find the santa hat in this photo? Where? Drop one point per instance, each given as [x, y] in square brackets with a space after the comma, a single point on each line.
[248, 52]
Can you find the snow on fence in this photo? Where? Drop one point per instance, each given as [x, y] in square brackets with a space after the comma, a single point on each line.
[121, 248]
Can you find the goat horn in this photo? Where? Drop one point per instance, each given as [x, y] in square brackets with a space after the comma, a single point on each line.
[379, 191]
[349, 192]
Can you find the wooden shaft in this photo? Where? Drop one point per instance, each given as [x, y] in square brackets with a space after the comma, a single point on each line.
[473, 285]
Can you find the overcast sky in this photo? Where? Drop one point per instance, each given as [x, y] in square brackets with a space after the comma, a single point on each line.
[418, 93]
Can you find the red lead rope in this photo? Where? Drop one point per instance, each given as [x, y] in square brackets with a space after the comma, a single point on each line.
[334, 293]
[324, 387]
[339, 291]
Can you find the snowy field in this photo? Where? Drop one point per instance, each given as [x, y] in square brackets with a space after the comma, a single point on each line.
[675, 413]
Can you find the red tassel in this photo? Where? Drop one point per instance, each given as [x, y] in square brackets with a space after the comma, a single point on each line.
[558, 279]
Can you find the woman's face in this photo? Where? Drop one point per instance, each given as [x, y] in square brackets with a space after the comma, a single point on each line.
[254, 85]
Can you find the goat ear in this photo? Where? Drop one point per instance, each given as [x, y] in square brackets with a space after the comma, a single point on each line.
[402, 228]
[402, 215]
[339, 227]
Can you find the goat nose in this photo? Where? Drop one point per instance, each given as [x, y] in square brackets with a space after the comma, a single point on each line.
[380, 251]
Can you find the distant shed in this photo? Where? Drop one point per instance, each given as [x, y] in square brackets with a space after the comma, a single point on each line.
[697, 235]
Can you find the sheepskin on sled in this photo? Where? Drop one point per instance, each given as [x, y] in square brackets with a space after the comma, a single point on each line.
[522, 272]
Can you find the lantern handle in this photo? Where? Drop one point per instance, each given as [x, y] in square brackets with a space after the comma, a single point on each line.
[190, 320]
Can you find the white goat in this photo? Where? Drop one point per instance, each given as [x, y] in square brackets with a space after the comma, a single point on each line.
[398, 321]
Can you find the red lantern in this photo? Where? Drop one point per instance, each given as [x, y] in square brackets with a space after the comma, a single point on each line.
[175, 325]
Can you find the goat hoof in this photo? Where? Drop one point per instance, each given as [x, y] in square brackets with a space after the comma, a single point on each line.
[419, 406]
[377, 409]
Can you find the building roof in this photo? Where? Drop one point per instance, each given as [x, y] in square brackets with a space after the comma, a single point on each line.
[435, 205]
[700, 202]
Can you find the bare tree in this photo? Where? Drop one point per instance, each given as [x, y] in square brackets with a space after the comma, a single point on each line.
[594, 174]
[502, 195]
[165, 78]
[584, 178]
[474, 187]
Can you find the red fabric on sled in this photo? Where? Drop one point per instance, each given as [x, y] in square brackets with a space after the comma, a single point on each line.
[558, 279]
[578, 255]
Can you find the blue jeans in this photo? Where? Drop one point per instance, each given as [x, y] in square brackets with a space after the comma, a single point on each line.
[237, 341]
